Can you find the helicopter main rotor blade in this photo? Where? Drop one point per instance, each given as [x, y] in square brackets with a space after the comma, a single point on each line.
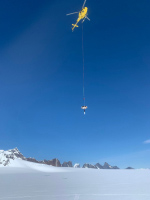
[87, 18]
[72, 13]
[84, 4]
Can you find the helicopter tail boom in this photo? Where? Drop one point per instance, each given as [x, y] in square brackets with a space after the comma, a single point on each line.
[74, 25]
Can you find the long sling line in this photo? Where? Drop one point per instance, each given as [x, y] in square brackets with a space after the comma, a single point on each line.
[83, 66]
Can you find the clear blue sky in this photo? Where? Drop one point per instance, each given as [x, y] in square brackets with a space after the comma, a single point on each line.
[41, 81]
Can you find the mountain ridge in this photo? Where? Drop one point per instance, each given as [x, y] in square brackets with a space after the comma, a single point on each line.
[12, 154]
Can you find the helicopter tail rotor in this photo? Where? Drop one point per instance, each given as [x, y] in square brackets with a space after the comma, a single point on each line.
[74, 25]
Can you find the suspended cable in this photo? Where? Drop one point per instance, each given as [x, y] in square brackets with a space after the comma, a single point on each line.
[83, 65]
[84, 107]
[82, 15]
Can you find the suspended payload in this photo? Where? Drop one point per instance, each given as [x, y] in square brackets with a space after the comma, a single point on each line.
[81, 15]
[84, 108]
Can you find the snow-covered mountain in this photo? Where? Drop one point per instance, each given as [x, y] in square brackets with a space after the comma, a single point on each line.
[77, 165]
[13, 159]
[7, 156]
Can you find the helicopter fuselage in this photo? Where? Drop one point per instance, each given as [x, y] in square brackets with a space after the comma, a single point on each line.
[82, 15]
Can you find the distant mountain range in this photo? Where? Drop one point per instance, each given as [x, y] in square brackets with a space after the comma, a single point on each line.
[99, 166]
[12, 154]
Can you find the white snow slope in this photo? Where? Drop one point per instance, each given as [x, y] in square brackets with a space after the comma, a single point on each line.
[24, 180]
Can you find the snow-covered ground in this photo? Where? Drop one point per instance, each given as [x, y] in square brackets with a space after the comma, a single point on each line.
[31, 181]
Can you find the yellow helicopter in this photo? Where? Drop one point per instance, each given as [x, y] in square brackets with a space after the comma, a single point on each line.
[82, 15]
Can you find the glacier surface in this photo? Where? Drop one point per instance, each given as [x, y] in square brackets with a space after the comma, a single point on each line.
[32, 181]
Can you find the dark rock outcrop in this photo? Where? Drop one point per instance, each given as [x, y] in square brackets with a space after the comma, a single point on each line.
[54, 162]
[32, 160]
[67, 164]
[99, 166]
[89, 166]
[115, 167]
[129, 168]
[107, 166]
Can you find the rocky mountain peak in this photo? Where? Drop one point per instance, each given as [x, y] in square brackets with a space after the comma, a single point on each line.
[89, 166]
[129, 168]
[6, 156]
[12, 153]
[107, 166]
[67, 164]
[54, 162]
[99, 166]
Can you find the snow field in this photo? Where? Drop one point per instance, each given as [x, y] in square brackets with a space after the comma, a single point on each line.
[73, 184]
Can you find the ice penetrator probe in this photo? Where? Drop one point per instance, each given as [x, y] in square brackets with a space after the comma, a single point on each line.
[84, 108]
